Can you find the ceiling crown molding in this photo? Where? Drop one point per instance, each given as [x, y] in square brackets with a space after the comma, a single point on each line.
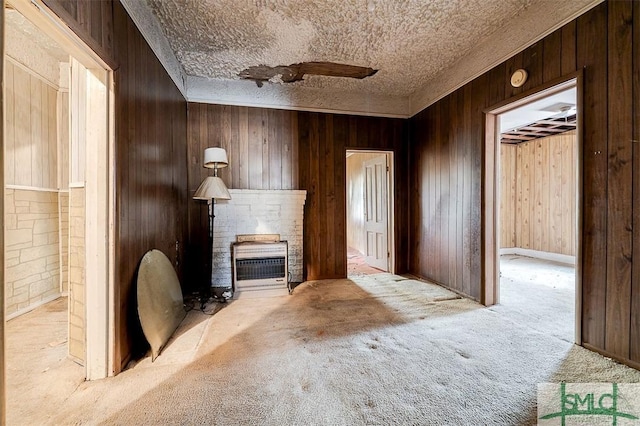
[282, 96]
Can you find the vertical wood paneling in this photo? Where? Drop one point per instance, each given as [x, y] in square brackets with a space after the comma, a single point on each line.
[549, 224]
[312, 239]
[9, 129]
[279, 149]
[532, 62]
[604, 44]
[340, 225]
[444, 193]
[537, 175]
[328, 202]
[568, 54]
[461, 200]
[552, 50]
[243, 149]
[619, 201]
[286, 161]
[480, 100]
[255, 149]
[264, 143]
[22, 117]
[634, 344]
[262, 150]
[322, 137]
[508, 183]
[151, 174]
[79, 109]
[527, 175]
[274, 154]
[557, 179]
[544, 197]
[52, 135]
[92, 21]
[452, 218]
[44, 135]
[295, 152]
[592, 54]
[31, 133]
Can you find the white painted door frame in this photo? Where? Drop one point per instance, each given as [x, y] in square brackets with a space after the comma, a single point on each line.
[99, 211]
[390, 189]
[491, 192]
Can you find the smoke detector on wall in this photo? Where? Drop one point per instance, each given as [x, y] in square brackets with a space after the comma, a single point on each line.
[519, 77]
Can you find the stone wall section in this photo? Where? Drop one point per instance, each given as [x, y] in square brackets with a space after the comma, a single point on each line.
[77, 322]
[32, 249]
[63, 214]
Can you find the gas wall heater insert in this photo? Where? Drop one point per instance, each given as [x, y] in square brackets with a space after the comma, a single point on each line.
[260, 266]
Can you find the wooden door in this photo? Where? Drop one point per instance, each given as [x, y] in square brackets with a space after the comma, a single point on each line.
[375, 212]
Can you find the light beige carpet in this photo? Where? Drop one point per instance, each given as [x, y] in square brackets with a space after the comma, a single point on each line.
[377, 349]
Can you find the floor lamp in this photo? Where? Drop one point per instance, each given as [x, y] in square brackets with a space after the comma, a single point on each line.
[211, 189]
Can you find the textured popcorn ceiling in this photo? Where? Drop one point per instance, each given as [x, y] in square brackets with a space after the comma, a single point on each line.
[423, 49]
[408, 41]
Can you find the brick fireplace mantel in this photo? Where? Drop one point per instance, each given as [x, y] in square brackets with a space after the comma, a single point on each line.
[257, 212]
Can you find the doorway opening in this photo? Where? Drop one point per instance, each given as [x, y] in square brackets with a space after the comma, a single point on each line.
[58, 204]
[369, 203]
[532, 234]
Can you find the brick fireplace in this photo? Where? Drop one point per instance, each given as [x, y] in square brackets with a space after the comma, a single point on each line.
[257, 212]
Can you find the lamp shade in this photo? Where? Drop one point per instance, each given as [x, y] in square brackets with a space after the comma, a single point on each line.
[212, 187]
[215, 158]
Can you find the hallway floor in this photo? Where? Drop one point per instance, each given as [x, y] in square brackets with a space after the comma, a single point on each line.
[356, 264]
[40, 375]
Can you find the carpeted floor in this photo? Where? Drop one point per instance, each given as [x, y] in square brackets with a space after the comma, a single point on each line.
[377, 349]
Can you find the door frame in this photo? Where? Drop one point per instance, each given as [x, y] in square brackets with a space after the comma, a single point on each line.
[100, 216]
[491, 193]
[391, 240]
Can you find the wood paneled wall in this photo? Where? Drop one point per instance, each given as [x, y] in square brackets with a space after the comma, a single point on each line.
[508, 195]
[31, 138]
[262, 149]
[92, 21]
[445, 180]
[63, 139]
[538, 194]
[323, 139]
[150, 153]
[78, 129]
[151, 162]
[275, 149]
[446, 173]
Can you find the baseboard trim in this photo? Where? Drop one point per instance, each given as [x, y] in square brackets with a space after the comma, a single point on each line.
[555, 257]
[32, 307]
[621, 360]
